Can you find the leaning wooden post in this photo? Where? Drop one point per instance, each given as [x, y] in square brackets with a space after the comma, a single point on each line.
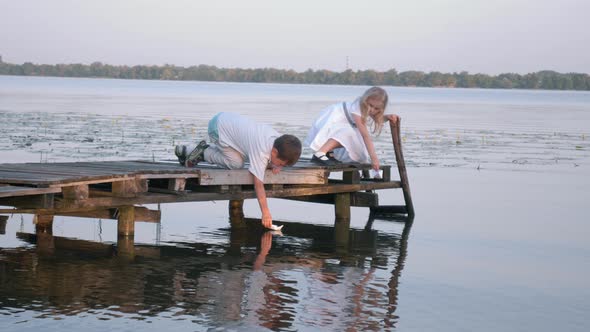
[401, 165]
[126, 221]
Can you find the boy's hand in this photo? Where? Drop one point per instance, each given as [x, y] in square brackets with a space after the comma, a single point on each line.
[276, 169]
[266, 220]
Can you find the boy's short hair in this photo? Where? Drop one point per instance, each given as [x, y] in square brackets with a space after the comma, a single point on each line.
[288, 148]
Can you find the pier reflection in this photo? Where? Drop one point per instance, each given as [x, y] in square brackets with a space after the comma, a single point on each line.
[307, 277]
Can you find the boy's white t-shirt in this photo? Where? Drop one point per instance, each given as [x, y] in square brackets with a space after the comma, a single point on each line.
[252, 139]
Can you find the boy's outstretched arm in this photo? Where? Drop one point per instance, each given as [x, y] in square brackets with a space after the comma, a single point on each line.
[261, 196]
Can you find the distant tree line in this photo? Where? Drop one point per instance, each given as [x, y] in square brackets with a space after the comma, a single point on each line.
[549, 80]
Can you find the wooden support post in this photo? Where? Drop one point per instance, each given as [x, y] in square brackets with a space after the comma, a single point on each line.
[44, 232]
[401, 165]
[126, 221]
[351, 177]
[342, 222]
[43, 223]
[129, 188]
[3, 221]
[126, 247]
[342, 206]
[386, 173]
[236, 213]
[79, 192]
[176, 184]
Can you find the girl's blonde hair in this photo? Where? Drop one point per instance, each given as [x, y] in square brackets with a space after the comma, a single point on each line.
[377, 119]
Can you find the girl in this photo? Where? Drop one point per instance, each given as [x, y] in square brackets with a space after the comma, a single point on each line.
[341, 132]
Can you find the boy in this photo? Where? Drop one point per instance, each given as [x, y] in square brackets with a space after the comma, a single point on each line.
[234, 139]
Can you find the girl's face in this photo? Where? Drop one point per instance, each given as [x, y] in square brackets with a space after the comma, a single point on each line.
[375, 106]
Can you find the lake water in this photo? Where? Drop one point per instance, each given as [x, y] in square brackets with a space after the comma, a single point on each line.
[500, 182]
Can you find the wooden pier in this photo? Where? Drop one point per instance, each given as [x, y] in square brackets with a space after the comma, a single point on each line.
[112, 189]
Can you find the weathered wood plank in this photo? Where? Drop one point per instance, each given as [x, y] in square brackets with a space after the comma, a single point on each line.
[152, 198]
[43, 201]
[12, 191]
[242, 176]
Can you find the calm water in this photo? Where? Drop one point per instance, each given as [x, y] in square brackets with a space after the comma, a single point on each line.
[499, 180]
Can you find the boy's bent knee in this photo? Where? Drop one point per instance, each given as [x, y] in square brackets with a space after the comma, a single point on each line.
[235, 164]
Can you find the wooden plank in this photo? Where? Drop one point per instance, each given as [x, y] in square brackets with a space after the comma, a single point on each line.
[12, 191]
[44, 201]
[152, 198]
[169, 176]
[242, 176]
[58, 173]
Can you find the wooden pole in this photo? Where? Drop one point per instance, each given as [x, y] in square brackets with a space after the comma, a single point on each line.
[401, 165]
[3, 221]
[342, 222]
[44, 231]
[125, 247]
[126, 221]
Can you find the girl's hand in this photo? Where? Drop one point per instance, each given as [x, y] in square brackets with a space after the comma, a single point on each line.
[375, 165]
[393, 118]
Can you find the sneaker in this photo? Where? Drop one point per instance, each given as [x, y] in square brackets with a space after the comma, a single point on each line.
[180, 152]
[323, 160]
[197, 155]
[330, 155]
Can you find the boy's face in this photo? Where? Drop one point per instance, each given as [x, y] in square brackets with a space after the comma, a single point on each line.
[275, 162]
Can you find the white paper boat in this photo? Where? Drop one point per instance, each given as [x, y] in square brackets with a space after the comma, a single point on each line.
[276, 228]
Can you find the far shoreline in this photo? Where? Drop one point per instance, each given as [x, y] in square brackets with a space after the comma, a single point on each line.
[542, 80]
[294, 84]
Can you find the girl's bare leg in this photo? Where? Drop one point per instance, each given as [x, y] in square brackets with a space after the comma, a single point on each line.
[330, 145]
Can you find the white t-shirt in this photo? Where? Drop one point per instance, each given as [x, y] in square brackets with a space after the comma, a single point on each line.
[252, 139]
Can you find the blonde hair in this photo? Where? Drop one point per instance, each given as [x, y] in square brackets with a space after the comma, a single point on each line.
[377, 119]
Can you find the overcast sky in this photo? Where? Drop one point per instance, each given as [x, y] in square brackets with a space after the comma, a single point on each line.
[446, 35]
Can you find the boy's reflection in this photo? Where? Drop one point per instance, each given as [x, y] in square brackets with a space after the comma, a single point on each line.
[265, 244]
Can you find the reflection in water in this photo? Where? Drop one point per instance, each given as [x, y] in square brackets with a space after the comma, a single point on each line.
[253, 278]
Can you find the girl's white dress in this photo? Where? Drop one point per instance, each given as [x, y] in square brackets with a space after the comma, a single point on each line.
[333, 123]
